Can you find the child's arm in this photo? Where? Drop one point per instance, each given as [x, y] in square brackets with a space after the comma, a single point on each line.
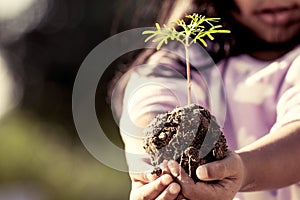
[270, 162]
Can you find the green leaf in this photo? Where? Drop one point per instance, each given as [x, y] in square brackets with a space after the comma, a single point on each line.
[157, 26]
[223, 31]
[150, 37]
[160, 38]
[210, 36]
[203, 42]
[160, 44]
[213, 19]
[199, 27]
[148, 32]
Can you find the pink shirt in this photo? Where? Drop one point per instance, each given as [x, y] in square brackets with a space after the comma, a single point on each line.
[249, 98]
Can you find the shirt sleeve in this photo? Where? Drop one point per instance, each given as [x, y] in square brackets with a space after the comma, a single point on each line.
[288, 106]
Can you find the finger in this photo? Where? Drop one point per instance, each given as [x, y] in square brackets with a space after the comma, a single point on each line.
[154, 188]
[218, 170]
[212, 171]
[178, 172]
[187, 183]
[171, 192]
[180, 197]
[143, 177]
[174, 168]
[164, 167]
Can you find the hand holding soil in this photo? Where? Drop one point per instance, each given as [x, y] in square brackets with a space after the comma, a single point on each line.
[190, 135]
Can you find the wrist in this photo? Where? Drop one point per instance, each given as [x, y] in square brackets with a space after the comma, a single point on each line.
[246, 179]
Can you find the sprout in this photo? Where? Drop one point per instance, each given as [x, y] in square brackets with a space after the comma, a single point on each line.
[199, 29]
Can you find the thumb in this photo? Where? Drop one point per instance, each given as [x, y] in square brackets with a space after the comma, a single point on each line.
[230, 166]
[212, 171]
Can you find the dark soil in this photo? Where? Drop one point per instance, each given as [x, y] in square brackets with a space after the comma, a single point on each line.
[190, 135]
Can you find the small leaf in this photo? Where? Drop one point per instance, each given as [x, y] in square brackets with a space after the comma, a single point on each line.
[203, 42]
[223, 31]
[150, 37]
[210, 36]
[157, 26]
[217, 26]
[213, 19]
[159, 38]
[148, 32]
[159, 45]
[199, 27]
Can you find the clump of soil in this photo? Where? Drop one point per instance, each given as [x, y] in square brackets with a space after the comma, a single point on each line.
[190, 135]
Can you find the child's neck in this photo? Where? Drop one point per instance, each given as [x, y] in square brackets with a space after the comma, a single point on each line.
[267, 52]
[268, 55]
[260, 49]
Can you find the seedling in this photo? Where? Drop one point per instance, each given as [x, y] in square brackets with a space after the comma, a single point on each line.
[179, 134]
[199, 29]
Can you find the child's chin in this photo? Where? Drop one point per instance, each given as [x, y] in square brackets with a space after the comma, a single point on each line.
[279, 35]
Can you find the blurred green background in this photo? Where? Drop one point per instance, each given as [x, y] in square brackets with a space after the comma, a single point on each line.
[42, 45]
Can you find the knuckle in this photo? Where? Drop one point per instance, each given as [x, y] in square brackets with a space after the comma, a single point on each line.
[187, 192]
[137, 196]
[167, 195]
[189, 195]
[171, 192]
[218, 172]
[221, 167]
[142, 196]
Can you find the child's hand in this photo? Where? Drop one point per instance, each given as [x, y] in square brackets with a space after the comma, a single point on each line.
[227, 172]
[147, 186]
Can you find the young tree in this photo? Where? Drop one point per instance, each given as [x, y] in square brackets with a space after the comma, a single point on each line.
[198, 29]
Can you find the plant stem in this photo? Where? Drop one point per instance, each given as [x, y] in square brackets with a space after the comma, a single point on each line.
[188, 73]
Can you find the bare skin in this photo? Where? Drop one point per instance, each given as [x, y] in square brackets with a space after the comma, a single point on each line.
[147, 187]
[239, 171]
[258, 166]
[273, 21]
[275, 162]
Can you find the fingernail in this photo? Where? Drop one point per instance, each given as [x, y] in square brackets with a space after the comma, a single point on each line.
[174, 189]
[166, 179]
[173, 166]
[150, 177]
[164, 164]
[202, 172]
